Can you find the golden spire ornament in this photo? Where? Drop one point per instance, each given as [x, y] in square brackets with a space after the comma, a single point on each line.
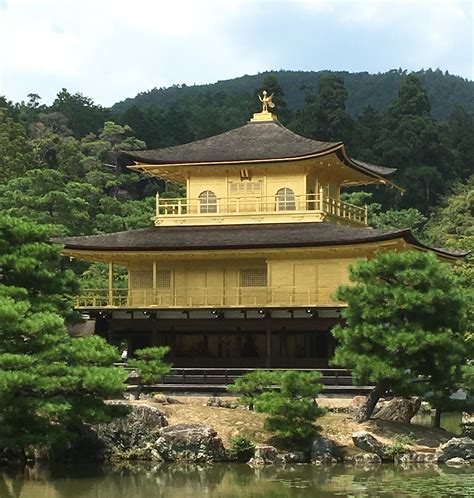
[267, 102]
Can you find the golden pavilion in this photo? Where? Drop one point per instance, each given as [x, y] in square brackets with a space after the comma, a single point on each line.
[241, 272]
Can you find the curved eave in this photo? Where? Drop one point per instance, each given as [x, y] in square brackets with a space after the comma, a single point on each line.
[150, 165]
[71, 248]
[152, 162]
[411, 240]
[346, 159]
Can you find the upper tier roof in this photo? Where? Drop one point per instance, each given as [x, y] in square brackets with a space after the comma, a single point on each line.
[271, 235]
[253, 142]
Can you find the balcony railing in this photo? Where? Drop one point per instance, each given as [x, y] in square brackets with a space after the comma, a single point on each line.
[309, 204]
[229, 297]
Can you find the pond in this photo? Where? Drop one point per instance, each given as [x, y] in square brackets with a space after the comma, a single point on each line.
[449, 421]
[234, 481]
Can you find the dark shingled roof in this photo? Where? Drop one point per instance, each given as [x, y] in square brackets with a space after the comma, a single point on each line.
[270, 235]
[251, 142]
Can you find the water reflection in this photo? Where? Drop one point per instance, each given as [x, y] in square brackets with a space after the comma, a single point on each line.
[233, 480]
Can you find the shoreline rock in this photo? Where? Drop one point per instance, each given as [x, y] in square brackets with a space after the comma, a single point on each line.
[457, 447]
[323, 451]
[189, 443]
[128, 437]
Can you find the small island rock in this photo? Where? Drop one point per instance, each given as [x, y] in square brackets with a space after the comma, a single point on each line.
[367, 442]
[399, 410]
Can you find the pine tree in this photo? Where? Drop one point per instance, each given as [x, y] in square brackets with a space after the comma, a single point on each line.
[324, 116]
[50, 384]
[288, 397]
[406, 319]
[415, 143]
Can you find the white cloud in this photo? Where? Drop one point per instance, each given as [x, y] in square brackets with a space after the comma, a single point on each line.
[112, 49]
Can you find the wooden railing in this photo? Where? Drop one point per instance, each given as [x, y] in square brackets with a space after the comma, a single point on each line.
[182, 207]
[226, 297]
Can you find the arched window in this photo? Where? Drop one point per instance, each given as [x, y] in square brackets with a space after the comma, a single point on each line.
[208, 202]
[285, 200]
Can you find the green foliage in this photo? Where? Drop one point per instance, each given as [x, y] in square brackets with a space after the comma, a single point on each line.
[289, 399]
[387, 220]
[399, 445]
[406, 439]
[324, 117]
[250, 386]
[241, 449]
[415, 143]
[82, 114]
[15, 151]
[406, 317]
[452, 226]
[50, 384]
[150, 363]
[445, 91]
[399, 219]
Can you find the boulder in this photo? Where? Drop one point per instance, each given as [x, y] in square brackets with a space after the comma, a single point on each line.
[161, 398]
[358, 401]
[219, 403]
[266, 455]
[128, 437]
[457, 462]
[322, 451]
[296, 457]
[415, 457]
[165, 400]
[467, 429]
[399, 410]
[363, 459]
[367, 442]
[457, 447]
[189, 443]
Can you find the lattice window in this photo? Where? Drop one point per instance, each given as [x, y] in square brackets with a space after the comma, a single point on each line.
[163, 279]
[208, 202]
[141, 279]
[253, 277]
[285, 200]
[246, 188]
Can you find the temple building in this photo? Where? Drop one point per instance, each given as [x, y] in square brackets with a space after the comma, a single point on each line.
[241, 272]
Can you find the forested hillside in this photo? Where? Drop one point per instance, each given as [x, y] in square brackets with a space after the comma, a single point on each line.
[444, 90]
[61, 164]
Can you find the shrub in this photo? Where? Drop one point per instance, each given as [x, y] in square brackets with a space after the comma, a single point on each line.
[241, 449]
[289, 399]
[150, 365]
[252, 385]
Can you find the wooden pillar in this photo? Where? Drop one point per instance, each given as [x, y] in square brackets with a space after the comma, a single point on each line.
[321, 198]
[111, 283]
[155, 297]
[268, 362]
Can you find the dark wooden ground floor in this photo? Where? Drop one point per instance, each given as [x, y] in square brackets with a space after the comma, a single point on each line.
[228, 343]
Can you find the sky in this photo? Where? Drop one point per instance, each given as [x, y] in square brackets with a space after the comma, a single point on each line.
[113, 49]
